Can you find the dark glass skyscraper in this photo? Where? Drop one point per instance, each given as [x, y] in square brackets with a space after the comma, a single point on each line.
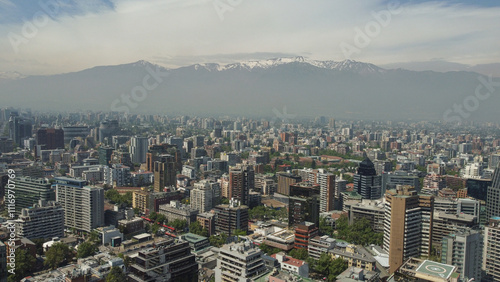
[366, 182]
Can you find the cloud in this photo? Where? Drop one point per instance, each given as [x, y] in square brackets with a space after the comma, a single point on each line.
[176, 33]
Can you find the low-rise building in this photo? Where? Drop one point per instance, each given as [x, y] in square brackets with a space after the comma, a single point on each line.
[196, 242]
[176, 210]
[319, 245]
[355, 256]
[292, 265]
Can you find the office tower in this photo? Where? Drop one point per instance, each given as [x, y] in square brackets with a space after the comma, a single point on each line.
[138, 149]
[164, 172]
[304, 232]
[50, 138]
[166, 261]
[366, 182]
[198, 141]
[230, 217]
[491, 252]
[43, 221]
[464, 250]
[19, 128]
[205, 195]
[72, 132]
[326, 183]
[30, 190]
[493, 196]
[241, 180]
[331, 123]
[105, 153]
[155, 151]
[239, 262]
[304, 202]
[391, 179]
[407, 225]
[107, 129]
[284, 182]
[83, 205]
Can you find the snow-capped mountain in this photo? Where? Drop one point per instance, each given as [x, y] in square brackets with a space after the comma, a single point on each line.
[11, 75]
[347, 65]
[254, 88]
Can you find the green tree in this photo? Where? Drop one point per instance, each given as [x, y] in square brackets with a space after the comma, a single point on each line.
[301, 254]
[324, 227]
[57, 254]
[24, 265]
[154, 229]
[161, 218]
[153, 215]
[269, 250]
[126, 259]
[86, 249]
[218, 240]
[224, 201]
[178, 224]
[39, 245]
[330, 268]
[94, 237]
[359, 233]
[196, 228]
[116, 275]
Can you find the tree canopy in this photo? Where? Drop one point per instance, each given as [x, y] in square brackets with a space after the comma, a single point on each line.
[86, 249]
[359, 233]
[116, 275]
[330, 268]
[301, 254]
[114, 197]
[218, 240]
[24, 265]
[196, 228]
[57, 254]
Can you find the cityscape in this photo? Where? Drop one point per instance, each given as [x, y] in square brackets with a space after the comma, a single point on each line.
[249, 141]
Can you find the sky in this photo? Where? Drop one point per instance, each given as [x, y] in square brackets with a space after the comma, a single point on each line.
[58, 36]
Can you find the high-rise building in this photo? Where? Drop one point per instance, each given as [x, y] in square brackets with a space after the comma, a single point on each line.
[72, 132]
[284, 182]
[326, 183]
[366, 181]
[241, 181]
[105, 153]
[83, 205]
[491, 252]
[3, 262]
[50, 138]
[167, 261]
[407, 225]
[30, 190]
[138, 149]
[304, 232]
[493, 196]
[205, 195]
[239, 262]
[464, 249]
[303, 203]
[19, 128]
[229, 218]
[164, 172]
[391, 179]
[44, 220]
[107, 129]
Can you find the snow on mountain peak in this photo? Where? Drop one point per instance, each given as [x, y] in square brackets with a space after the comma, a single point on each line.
[347, 65]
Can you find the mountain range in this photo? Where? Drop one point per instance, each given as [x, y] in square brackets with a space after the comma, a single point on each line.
[307, 88]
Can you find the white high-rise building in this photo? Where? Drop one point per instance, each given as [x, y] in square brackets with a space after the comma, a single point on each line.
[83, 205]
[205, 195]
[138, 149]
[464, 250]
[491, 251]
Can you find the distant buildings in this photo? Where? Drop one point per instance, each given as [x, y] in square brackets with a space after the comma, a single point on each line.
[164, 170]
[50, 138]
[138, 149]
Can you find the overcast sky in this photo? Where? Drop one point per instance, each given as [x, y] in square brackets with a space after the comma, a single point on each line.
[74, 35]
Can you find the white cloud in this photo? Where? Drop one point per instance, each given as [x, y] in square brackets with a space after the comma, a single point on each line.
[192, 29]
